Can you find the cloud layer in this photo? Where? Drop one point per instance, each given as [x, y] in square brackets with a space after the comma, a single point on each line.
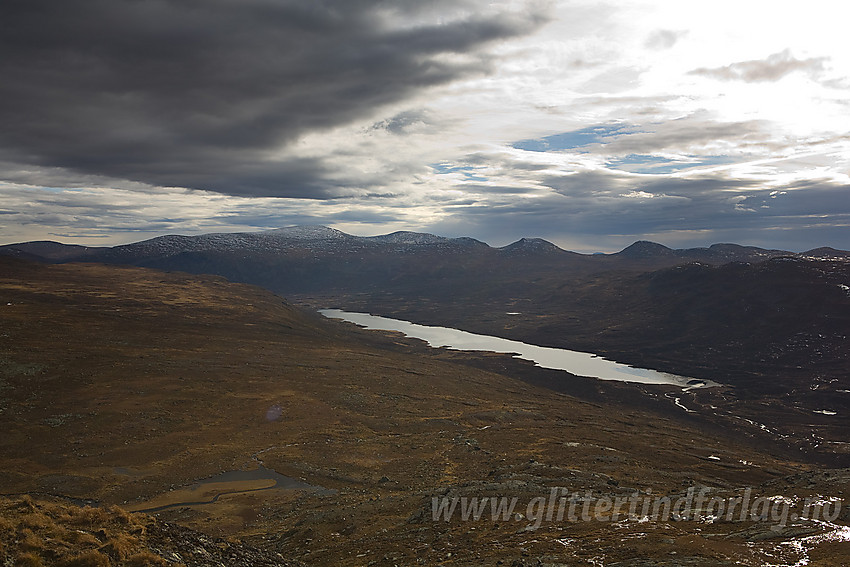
[208, 95]
[589, 124]
[771, 69]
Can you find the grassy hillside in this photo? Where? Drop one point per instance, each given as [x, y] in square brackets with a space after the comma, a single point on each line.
[129, 387]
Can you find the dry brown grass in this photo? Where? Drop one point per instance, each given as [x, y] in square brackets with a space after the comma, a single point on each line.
[121, 546]
[28, 540]
[145, 559]
[35, 533]
[28, 559]
[87, 516]
[6, 525]
[85, 559]
[80, 538]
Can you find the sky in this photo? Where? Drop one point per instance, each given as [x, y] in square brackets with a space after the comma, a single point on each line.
[587, 123]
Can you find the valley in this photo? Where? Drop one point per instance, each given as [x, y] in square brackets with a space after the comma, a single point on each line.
[168, 391]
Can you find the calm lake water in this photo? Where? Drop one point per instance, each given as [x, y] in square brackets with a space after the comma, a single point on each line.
[236, 476]
[574, 362]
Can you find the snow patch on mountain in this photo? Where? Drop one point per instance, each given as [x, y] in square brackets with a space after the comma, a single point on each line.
[530, 246]
[308, 232]
[408, 237]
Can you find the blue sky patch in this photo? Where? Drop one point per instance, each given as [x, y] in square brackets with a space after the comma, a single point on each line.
[466, 170]
[574, 139]
[641, 163]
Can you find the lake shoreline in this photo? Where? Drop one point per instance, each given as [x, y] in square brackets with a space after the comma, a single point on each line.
[578, 363]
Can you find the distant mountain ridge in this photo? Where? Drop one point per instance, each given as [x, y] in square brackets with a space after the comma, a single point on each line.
[532, 246]
[318, 260]
[325, 239]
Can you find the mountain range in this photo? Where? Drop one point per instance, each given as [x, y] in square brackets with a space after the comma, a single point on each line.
[324, 240]
[317, 259]
[770, 324]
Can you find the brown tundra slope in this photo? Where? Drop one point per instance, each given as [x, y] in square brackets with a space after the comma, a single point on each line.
[226, 412]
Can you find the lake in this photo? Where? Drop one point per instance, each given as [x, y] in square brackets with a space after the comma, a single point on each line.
[574, 362]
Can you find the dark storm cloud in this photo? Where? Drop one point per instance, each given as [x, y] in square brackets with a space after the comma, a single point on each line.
[198, 93]
[761, 70]
[619, 208]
